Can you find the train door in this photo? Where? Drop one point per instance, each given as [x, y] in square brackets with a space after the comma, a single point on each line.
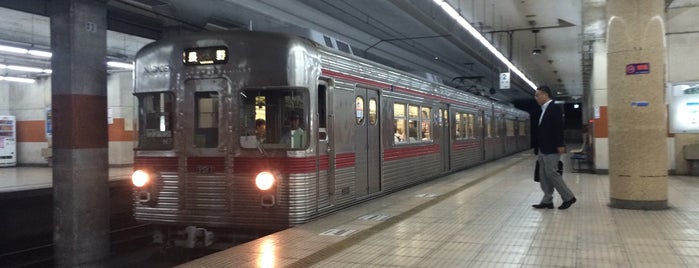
[204, 112]
[445, 137]
[325, 146]
[483, 133]
[367, 141]
[204, 115]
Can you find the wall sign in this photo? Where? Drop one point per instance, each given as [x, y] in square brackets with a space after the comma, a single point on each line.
[504, 80]
[638, 68]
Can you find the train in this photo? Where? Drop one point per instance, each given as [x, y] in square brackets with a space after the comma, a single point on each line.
[254, 130]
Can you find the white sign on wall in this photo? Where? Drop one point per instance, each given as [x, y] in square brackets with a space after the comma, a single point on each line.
[684, 107]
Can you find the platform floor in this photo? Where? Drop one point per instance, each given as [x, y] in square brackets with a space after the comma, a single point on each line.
[483, 217]
[14, 179]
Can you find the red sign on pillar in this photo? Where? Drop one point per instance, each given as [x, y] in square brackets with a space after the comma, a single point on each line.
[638, 68]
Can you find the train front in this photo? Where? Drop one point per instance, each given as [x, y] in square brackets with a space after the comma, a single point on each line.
[221, 116]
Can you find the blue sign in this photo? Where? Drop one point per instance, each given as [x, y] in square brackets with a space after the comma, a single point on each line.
[639, 104]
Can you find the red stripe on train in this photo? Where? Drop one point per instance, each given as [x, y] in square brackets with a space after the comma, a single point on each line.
[210, 164]
[456, 146]
[245, 164]
[407, 152]
[156, 163]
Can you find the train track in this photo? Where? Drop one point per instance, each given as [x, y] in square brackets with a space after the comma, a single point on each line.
[123, 240]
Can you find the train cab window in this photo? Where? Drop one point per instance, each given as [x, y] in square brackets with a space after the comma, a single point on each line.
[206, 119]
[359, 110]
[155, 119]
[284, 112]
[399, 123]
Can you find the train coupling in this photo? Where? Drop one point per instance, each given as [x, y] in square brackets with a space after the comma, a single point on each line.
[189, 237]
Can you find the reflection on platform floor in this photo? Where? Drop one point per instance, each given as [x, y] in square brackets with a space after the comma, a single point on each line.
[461, 221]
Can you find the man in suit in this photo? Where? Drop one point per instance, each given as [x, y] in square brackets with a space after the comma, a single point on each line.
[549, 146]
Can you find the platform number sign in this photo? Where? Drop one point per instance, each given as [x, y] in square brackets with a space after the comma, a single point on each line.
[91, 27]
[504, 80]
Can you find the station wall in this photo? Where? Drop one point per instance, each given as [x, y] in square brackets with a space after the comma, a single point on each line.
[31, 104]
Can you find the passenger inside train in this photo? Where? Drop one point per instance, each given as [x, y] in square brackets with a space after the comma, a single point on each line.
[263, 120]
[260, 130]
[295, 136]
[398, 135]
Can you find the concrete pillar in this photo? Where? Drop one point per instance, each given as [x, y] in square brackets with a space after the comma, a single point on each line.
[79, 110]
[637, 113]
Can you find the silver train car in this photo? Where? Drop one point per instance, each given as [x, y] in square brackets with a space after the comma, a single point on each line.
[262, 131]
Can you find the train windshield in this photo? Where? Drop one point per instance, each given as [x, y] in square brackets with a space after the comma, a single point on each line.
[274, 118]
[155, 121]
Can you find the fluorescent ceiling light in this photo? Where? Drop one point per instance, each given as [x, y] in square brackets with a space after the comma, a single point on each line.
[19, 50]
[39, 53]
[464, 23]
[46, 54]
[13, 49]
[25, 69]
[117, 64]
[17, 79]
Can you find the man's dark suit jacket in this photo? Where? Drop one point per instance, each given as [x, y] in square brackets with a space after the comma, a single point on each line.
[549, 135]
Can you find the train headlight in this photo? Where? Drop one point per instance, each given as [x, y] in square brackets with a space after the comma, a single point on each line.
[264, 180]
[140, 178]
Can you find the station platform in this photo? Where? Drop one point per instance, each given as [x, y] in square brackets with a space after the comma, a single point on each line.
[16, 179]
[482, 217]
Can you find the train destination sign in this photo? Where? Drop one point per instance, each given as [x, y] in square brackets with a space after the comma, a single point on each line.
[638, 68]
[205, 55]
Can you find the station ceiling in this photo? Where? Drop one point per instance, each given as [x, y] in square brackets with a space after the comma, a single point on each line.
[412, 35]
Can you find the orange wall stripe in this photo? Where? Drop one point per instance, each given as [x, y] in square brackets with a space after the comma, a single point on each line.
[31, 131]
[117, 132]
[602, 123]
[35, 131]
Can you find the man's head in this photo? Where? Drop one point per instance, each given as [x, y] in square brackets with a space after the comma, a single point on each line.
[260, 126]
[295, 120]
[542, 95]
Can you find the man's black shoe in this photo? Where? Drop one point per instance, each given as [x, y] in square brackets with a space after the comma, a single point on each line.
[542, 205]
[567, 204]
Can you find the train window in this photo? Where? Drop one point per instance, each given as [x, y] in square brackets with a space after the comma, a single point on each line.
[206, 119]
[359, 110]
[372, 111]
[465, 126]
[322, 111]
[413, 123]
[471, 126]
[444, 118]
[284, 112]
[328, 41]
[460, 129]
[488, 126]
[155, 118]
[523, 128]
[399, 121]
[426, 123]
[509, 127]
